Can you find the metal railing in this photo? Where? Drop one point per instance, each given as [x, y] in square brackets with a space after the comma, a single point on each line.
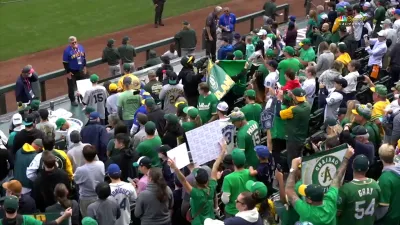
[144, 48]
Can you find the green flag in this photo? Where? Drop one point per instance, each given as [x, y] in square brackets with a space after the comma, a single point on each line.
[233, 68]
[218, 80]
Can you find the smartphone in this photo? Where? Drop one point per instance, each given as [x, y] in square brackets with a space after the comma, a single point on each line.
[129, 179]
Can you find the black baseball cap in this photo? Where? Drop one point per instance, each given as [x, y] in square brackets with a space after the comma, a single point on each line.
[359, 130]
[200, 175]
[103, 190]
[342, 111]
[273, 64]
[143, 161]
[163, 149]
[341, 81]
[361, 163]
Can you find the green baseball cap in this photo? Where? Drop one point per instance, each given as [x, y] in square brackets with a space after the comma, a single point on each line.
[94, 78]
[180, 106]
[306, 41]
[361, 163]
[238, 54]
[342, 47]
[150, 127]
[35, 104]
[250, 93]
[89, 110]
[289, 50]
[272, 36]
[171, 118]
[89, 221]
[270, 53]
[312, 191]
[238, 157]
[396, 87]
[330, 122]
[300, 94]
[126, 67]
[191, 111]
[149, 102]
[236, 115]
[110, 41]
[185, 23]
[257, 187]
[380, 89]
[363, 110]
[341, 10]
[60, 122]
[11, 203]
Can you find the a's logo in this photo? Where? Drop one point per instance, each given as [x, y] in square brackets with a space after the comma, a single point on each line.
[325, 170]
[213, 83]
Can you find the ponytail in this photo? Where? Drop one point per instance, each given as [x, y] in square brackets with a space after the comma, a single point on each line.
[157, 178]
[264, 209]
[61, 195]
[197, 121]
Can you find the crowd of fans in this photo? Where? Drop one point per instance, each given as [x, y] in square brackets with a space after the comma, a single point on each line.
[115, 169]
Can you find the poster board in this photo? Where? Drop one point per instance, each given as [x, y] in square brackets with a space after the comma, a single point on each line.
[204, 142]
[320, 168]
[180, 155]
[83, 85]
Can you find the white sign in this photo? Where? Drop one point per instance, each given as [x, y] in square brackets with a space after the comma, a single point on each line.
[204, 142]
[179, 155]
[83, 86]
[321, 167]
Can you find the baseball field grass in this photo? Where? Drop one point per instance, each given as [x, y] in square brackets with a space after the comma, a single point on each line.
[30, 26]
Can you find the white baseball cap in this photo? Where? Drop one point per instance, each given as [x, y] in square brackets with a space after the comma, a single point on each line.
[223, 106]
[262, 32]
[367, 4]
[17, 119]
[382, 33]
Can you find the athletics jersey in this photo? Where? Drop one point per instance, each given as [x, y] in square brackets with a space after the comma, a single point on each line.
[248, 137]
[228, 131]
[96, 97]
[169, 94]
[125, 194]
[357, 202]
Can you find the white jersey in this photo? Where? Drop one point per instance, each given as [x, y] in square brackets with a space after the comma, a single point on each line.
[228, 131]
[96, 97]
[125, 195]
[169, 94]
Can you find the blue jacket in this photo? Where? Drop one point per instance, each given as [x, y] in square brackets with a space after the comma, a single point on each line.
[223, 51]
[141, 109]
[74, 59]
[23, 86]
[226, 20]
[23, 158]
[95, 134]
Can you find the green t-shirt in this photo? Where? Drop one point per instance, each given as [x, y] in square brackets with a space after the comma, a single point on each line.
[270, 9]
[374, 134]
[307, 55]
[10, 141]
[234, 184]
[252, 112]
[188, 126]
[148, 148]
[379, 17]
[129, 103]
[311, 23]
[248, 137]
[389, 183]
[297, 127]
[112, 151]
[28, 220]
[202, 201]
[290, 63]
[324, 214]
[278, 128]
[357, 202]
[207, 106]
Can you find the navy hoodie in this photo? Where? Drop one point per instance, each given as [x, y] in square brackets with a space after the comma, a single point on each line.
[96, 134]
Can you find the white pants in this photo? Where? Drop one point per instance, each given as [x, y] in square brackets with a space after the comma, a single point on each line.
[114, 70]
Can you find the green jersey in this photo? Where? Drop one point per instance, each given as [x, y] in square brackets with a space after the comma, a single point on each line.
[202, 203]
[307, 55]
[311, 23]
[149, 148]
[389, 183]
[127, 53]
[324, 214]
[129, 103]
[234, 184]
[252, 112]
[188, 126]
[207, 106]
[357, 202]
[248, 137]
[278, 128]
[290, 63]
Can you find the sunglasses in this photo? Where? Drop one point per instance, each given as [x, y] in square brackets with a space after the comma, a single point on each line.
[74, 42]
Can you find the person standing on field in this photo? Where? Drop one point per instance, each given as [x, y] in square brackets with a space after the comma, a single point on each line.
[186, 39]
[127, 53]
[95, 97]
[111, 57]
[358, 199]
[74, 61]
[210, 33]
[159, 8]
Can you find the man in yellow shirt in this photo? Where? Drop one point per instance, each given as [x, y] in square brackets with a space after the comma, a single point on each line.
[380, 100]
[127, 73]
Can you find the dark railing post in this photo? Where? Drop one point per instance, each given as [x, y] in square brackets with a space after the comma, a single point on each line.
[308, 6]
[3, 105]
[43, 90]
[147, 54]
[251, 24]
[286, 14]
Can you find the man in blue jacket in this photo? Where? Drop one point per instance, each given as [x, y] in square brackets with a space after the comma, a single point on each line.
[225, 49]
[96, 134]
[23, 87]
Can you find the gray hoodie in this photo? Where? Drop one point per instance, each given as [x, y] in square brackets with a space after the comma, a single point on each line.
[328, 77]
[150, 210]
[395, 169]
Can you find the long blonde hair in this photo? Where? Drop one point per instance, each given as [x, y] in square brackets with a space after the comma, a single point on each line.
[197, 121]
[351, 104]
[313, 15]
[333, 48]
[334, 130]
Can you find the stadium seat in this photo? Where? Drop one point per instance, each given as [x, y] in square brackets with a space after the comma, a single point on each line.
[316, 121]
